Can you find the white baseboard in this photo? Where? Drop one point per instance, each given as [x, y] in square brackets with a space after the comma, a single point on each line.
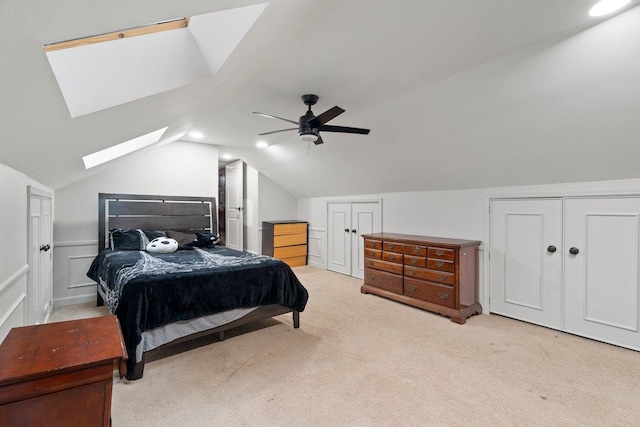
[77, 299]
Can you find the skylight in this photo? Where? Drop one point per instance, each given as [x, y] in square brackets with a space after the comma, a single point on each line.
[119, 150]
[99, 72]
[604, 7]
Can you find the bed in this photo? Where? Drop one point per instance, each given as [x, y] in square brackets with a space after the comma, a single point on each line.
[166, 298]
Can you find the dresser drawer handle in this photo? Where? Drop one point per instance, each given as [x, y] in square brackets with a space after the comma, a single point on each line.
[439, 252]
[370, 262]
[443, 277]
[413, 260]
[392, 256]
[416, 249]
[390, 245]
[443, 295]
[412, 271]
[439, 263]
[372, 277]
[372, 244]
[413, 288]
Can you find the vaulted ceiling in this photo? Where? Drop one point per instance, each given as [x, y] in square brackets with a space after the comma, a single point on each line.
[457, 93]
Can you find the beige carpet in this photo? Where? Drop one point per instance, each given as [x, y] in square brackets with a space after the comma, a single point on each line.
[361, 360]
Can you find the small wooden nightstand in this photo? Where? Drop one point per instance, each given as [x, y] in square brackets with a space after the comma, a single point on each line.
[60, 374]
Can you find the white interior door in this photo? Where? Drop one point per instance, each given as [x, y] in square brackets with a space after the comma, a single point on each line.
[346, 222]
[526, 260]
[366, 218]
[46, 260]
[339, 237]
[234, 205]
[40, 283]
[601, 275]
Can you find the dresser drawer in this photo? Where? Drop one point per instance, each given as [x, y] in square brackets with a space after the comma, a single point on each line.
[432, 292]
[392, 257]
[373, 244]
[296, 228]
[290, 239]
[290, 251]
[431, 275]
[391, 267]
[373, 253]
[383, 280]
[441, 253]
[416, 261]
[404, 248]
[440, 264]
[296, 261]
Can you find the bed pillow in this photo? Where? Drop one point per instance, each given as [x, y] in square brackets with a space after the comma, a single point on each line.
[184, 239]
[205, 239]
[125, 239]
[162, 245]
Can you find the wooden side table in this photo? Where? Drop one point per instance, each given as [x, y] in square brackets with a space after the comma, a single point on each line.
[60, 374]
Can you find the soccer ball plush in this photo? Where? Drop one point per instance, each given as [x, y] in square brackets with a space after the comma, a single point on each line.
[162, 245]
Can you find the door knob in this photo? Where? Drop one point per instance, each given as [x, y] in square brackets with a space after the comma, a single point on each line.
[574, 251]
[353, 231]
[551, 249]
[346, 230]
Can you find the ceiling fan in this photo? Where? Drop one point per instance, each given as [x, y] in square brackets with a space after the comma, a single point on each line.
[309, 125]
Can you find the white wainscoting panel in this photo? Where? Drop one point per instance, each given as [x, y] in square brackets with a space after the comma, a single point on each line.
[317, 247]
[13, 308]
[71, 261]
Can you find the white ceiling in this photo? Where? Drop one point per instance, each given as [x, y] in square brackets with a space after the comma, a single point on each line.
[457, 93]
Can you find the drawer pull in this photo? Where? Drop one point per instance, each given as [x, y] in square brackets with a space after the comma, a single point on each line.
[416, 249]
[413, 260]
[392, 256]
[439, 263]
[439, 252]
[412, 271]
[370, 262]
[413, 288]
[372, 244]
[443, 295]
[372, 277]
[390, 245]
[442, 277]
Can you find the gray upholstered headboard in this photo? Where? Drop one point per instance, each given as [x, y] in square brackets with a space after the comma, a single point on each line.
[151, 212]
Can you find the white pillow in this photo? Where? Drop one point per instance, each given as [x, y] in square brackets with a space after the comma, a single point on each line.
[162, 245]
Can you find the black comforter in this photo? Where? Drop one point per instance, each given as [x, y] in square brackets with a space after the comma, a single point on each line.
[146, 290]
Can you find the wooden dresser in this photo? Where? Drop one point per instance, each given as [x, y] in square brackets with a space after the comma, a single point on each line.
[60, 374]
[432, 273]
[285, 240]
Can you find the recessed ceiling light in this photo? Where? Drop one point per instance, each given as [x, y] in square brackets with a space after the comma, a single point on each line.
[261, 144]
[227, 156]
[196, 134]
[604, 7]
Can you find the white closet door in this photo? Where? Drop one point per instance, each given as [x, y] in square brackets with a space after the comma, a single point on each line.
[526, 260]
[602, 279]
[366, 218]
[339, 237]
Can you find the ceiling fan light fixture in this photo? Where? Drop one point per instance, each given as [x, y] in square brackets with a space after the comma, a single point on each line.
[308, 137]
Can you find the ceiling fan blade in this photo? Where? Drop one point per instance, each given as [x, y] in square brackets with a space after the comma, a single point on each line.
[329, 128]
[274, 117]
[323, 118]
[319, 140]
[276, 131]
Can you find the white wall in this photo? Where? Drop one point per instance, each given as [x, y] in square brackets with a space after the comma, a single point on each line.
[264, 201]
[461, 214]
[13, 253]
[176, 169]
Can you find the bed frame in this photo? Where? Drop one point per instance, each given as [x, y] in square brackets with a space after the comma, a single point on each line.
[181, 213]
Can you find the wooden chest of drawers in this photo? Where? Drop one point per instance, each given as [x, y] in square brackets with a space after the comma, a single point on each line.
[285, 240]
[60, 374]
[432, 273]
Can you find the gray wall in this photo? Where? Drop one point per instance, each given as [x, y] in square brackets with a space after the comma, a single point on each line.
[178, 168]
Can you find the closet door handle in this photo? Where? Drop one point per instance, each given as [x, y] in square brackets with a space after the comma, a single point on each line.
[551, 249]
[574, 251]
[346, 230]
